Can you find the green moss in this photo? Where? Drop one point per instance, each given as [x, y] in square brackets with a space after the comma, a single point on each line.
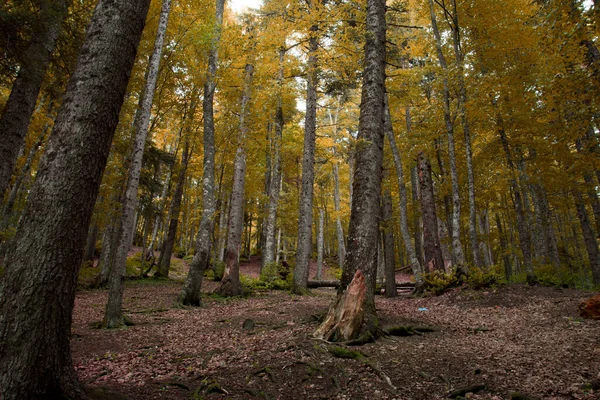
[341, 352]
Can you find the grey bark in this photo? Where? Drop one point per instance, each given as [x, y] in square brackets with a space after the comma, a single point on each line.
[230, 284]
[339, 229]
[304, 246]
[274, 184]
[37, 292]
[458, 258]
[90, 245]
[320, 241]
[431, 241]
[223, 227]
[20, 105]
[388, 246]
[193, 283]
[414, 183]
[113, 316]
[417, 268]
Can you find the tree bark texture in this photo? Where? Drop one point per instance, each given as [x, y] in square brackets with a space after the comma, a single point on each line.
[113, 316]
[193, 283]
[320, 244]
[388, 246]
[37, 292]
[431, 240]
[304, 246]
[417, 268]
[366, 200]
[339, 229]
[20, 105]
[230, 284]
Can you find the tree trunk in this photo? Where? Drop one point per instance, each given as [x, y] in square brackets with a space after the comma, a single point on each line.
[431, 240]
[113, 316]
[169, 242]
[414, 183]
[462, 104]
[90, 245]
[12, 197]
[193, 283]
[366, 200]
[304, 246]
[417, 268]
[341, 246]
[320, 239]
[504, 248]
[589, 237]
[20, 105]
[38, 287]
[274, 186]
[230, 284]
[522, 225]
[388, 246]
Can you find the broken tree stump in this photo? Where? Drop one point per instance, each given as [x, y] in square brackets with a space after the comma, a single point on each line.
[345, 318]
[590, 308]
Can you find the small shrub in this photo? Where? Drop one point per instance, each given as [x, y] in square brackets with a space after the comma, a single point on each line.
[437, 282]
[478, 278]
[337, 273]
[218, 270]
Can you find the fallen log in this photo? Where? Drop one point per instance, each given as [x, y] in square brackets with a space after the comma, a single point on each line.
[320, 284]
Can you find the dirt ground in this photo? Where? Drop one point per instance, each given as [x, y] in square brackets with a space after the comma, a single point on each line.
[514, 339]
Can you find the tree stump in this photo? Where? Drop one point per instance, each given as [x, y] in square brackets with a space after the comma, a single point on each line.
[590, 308]
[345, 318]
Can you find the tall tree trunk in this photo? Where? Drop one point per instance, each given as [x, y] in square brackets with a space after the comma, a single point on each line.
[37, 292]
[431, 241]
[388, 246]
[462, 105]
[169, 242]
[458, 258]
[304, 246]
[193, 283]
[20, 105]
[320, 244]
[274, 184]
[417, 268]
[230, 284]
[414, 183]
[113, 316]
[223, 227]
[366, 200]
[90, 245]
[588, 237]
[339, 229]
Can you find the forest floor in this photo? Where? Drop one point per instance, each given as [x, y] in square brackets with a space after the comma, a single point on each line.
[512, 339]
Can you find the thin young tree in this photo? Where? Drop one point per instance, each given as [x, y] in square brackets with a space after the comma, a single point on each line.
[193, 283]
[37, 292]
[113, 316]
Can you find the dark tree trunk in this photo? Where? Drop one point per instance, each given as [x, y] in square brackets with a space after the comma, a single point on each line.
[21, 101]
[366, 199]
[504, 248]
[38, 288]
[431, 239]
[388, 246]
[193, 283]
[414, 183]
